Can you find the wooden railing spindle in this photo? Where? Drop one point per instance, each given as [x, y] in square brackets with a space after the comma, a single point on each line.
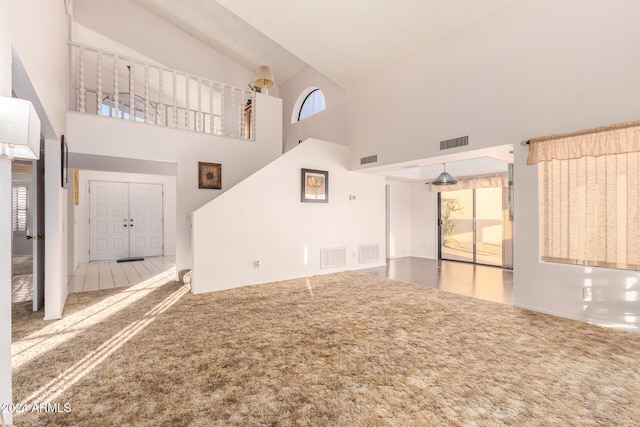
[81, 83]
[147, 110]
[99, 83]
[132, 92]
[116, 95]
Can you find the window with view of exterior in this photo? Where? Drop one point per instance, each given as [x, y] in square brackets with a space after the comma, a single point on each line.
[589, 191]
[19, 198]
[313, 103]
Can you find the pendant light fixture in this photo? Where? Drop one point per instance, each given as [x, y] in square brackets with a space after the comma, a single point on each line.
[444, 178]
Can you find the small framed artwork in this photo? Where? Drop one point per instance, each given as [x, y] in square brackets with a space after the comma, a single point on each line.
[315, 186]
[64, 163]
[210, 175]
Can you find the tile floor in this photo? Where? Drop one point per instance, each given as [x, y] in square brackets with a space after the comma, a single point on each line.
[478, 281]
[99, 275]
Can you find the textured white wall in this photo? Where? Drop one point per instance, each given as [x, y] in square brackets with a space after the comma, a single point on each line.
[537, 68]
[262, 218]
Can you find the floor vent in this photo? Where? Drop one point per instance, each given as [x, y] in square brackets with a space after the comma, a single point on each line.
[369, 159]
[455, 142]
[368, 253]
[333, 257]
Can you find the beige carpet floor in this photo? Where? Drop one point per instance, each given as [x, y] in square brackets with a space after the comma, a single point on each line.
[344, 349]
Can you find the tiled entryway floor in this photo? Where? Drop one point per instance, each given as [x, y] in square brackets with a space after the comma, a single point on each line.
[97, 275]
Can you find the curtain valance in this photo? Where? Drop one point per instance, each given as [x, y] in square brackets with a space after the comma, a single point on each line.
[483, 181]
[616, 139]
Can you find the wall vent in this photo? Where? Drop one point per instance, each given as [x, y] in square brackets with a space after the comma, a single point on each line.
[369, 159]
[455, 142]
[368, 253]
[333, 257]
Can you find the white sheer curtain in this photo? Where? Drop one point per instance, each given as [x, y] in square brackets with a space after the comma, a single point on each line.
[589, 196]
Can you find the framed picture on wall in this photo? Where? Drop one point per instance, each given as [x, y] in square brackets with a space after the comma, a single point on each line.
[315, 186]
[210, 175]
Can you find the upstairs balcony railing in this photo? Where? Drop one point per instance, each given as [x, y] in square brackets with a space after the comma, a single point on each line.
[113, 85]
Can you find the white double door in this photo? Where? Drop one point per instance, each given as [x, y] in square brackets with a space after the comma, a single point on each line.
[125, 220]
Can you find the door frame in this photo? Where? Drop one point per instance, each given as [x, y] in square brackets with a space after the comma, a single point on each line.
[38, 228]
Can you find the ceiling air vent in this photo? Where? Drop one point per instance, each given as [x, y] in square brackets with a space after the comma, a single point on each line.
[369, 159]
[455, 142]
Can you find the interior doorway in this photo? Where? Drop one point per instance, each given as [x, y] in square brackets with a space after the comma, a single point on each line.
[125, 220]
[474, 226]
[27, 227]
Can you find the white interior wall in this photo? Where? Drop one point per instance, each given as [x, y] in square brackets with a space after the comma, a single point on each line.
[5, 273]
[537, 68]
[128, 23]
[328, 125]
[262, 219]
[400, 219]
[121, 138]
[424, 216]
[414, 214]
[39, 35]
[82, 209]
[89, 37]
[55, 242]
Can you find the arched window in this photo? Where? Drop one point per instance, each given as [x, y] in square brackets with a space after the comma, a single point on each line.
[313, 103]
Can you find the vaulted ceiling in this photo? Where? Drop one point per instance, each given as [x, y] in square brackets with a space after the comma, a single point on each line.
[343, 39]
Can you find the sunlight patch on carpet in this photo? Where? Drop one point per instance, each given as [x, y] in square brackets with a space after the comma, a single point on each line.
[309, 286]
[59, 331]
[54, 388]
